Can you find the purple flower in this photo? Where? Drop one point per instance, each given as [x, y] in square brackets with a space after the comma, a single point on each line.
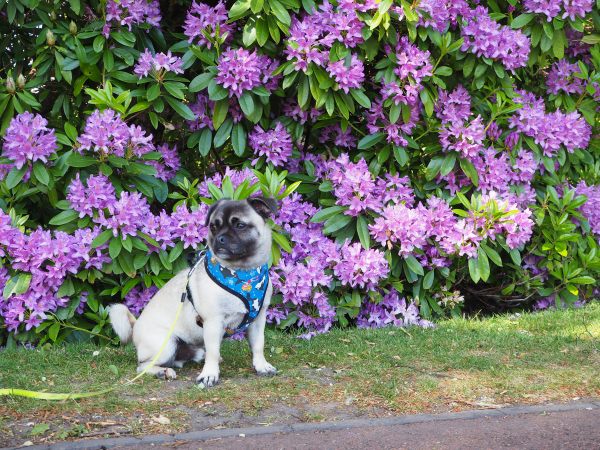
[401, 226]
[551, 8]
[348, 76]
[157, 64]
[360, 267]
[106, 133]
[454, 106]
[393, 310]
[126, 214]
[188, 226]
[166, 168]
[28, 138]
[202, 18]
[240, 71]
[131, 12]
[562, 78]
[339, 138]
[483, 36]
[138, 298]
[275, 145]
[550, 131]
[412, 65]
[591, 208]
[97, 196]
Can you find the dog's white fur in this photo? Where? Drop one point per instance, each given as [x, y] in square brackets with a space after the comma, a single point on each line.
[217, 308]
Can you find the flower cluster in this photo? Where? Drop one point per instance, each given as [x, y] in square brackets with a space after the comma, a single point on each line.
[275, 144]
[347, 74]
[334, 133]
[562, 78]
[550, 131]
[49, 258]
[591, 208]
[240, 70]
[411, 67]
[354, 186]
[106, 133]
[312, 37]
[203, 19]
[378, 120]
[439, 14]
[138, 298]
[571, 9]
[485, 37]
[28, 139]
[157, 64]
[131, 12]
[359, 267]
[392, 310]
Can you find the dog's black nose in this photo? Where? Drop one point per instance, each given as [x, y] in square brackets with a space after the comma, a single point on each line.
[222, 239]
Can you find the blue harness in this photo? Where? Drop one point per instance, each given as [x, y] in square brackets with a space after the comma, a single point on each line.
[250, 286]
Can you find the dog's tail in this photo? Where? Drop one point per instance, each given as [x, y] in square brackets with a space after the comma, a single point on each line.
[122, 321]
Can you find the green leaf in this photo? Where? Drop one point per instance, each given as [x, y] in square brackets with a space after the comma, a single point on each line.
[247, 103]
[78, 160]
[220, 113]
[428, 280]
[201, 82]
[361, 98]
[484, 264]
[326, 213]
[370, 140]
[180, 108]
[41, 174]
[102, 238]
[223, 133]
[469, 169]
[114, 248]
[15, 176]
[492, 254]
[336, 223]
[205, 142]
[283, 242]
[238, 139]
[582, 280]
[474, 270]
[522, 20]
[362, 228]
[280, 12]
[52, 334]
[414, 265]
[64, 217]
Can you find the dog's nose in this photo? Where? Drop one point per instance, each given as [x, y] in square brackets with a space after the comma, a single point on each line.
[222, 239]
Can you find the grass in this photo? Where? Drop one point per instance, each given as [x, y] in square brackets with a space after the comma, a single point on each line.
[532, 358]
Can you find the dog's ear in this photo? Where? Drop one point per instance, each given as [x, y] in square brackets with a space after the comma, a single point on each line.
[265, 207]
[211, 210]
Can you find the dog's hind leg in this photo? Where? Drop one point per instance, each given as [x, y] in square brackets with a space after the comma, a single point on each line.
[161, 368]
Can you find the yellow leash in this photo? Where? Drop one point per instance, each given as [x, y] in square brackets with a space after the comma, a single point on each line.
[76, 395]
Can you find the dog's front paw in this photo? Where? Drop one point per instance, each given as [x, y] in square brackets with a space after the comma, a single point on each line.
[206, 380]
[264, 368]
[166, 374]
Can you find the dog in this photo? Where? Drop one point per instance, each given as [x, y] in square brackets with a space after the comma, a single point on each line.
[227, 290]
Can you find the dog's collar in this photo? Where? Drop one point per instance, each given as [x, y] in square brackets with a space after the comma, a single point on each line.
[248, 285]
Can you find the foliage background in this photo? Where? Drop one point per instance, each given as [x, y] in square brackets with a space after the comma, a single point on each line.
[316, 99]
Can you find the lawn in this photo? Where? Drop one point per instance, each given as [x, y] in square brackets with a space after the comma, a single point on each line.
[476, 363]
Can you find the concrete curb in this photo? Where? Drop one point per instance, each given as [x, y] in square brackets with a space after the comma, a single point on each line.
[102, 444]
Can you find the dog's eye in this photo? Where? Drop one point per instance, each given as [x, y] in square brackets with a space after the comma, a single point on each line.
[240, 225]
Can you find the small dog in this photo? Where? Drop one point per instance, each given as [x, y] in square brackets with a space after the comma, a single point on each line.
[227, 290]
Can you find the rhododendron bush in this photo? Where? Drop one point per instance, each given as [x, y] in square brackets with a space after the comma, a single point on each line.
[429, 157]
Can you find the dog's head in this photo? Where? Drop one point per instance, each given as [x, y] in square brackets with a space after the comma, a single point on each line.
[239, 235]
